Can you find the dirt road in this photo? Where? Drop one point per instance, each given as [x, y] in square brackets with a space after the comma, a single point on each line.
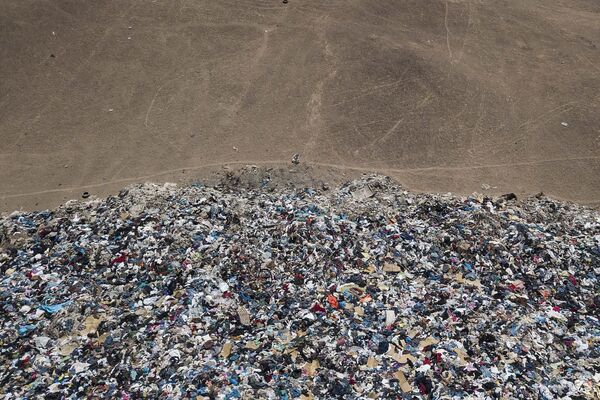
[443, 95]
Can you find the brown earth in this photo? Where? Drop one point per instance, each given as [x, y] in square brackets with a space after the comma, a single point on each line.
[442, 95]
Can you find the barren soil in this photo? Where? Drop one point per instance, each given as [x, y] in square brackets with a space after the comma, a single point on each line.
[442, 95]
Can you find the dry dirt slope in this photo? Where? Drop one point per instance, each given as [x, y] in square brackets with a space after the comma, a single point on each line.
[444, 95]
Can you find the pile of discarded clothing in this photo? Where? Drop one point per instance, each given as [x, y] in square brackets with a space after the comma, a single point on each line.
[366, 291]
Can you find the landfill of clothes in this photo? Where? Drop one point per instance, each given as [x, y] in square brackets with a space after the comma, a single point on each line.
[366, 291]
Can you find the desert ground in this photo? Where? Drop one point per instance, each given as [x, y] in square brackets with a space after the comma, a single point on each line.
[458, 95]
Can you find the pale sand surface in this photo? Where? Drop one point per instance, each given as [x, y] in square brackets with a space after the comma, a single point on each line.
[442, 95]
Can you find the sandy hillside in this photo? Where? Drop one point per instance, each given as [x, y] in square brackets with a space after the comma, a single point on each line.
[443, 95]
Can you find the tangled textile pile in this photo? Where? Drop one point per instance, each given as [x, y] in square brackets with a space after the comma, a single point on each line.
[366, 291]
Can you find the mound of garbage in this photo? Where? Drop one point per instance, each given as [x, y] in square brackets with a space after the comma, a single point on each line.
[366, 291]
